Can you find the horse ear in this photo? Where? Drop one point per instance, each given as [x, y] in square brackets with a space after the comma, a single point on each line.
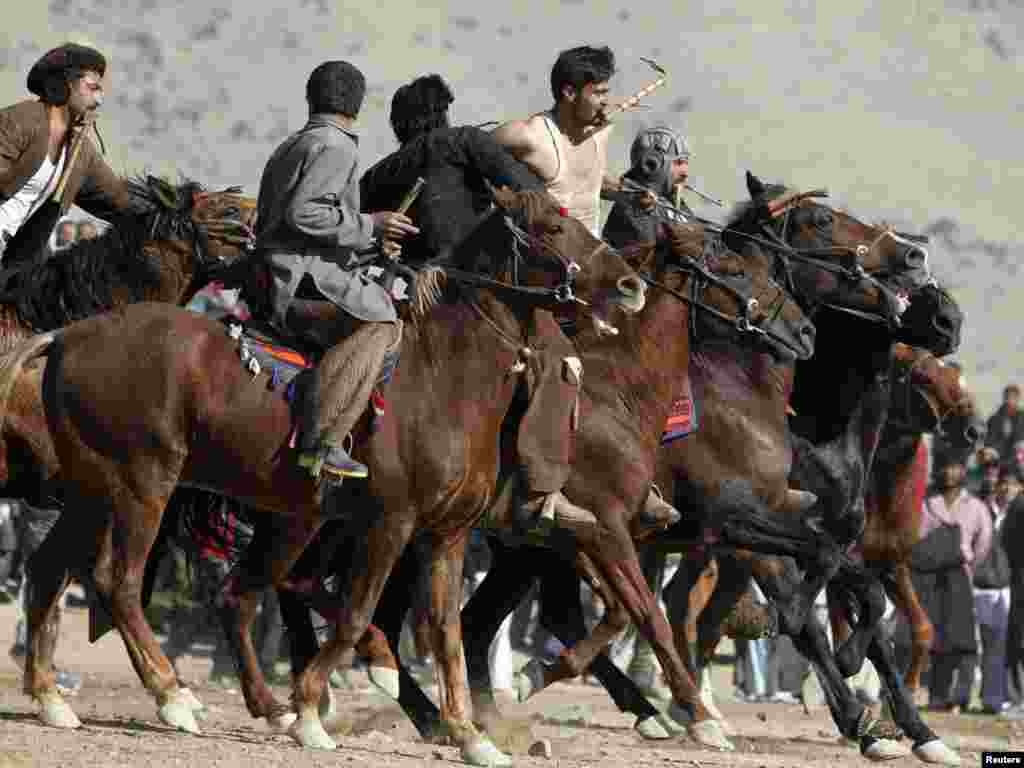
[754, 186]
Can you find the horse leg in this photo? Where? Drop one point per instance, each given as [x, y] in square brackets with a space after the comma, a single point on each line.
[46, 577]
[503, 588]
[922, 630]
[863, 592]
[124, 545]
[239, 599]
[561, 613]
[928, 747]
[372, 561]
[575, 660]
[615, 559]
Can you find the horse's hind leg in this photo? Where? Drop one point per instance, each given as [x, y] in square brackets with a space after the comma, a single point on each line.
[901, 590]
[46, 578]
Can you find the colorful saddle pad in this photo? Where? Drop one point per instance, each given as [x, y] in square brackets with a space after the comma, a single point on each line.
[684, 416]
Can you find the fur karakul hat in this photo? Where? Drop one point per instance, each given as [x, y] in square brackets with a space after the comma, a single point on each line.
[49, 77]
[336, 86]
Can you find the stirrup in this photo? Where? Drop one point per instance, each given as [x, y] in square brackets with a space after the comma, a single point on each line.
[333, 462]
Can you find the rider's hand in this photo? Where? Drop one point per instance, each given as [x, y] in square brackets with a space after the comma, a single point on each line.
[648, 200]
[389, 225]
[390, 249]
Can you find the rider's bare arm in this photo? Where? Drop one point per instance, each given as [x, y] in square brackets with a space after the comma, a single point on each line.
[527, 140]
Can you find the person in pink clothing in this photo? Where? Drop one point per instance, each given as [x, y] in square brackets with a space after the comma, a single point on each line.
[954, 652]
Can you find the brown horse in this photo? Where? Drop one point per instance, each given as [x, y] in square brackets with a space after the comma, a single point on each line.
[766, 381]
[172, 241]
[194, 415]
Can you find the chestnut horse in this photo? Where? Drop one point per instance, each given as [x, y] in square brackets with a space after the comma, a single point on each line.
[195, 415]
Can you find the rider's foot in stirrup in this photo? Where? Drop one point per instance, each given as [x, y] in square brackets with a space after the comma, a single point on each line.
[554, 510]
[335, 462]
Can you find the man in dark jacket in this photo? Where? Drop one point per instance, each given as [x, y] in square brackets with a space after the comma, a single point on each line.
[43, 145]
[455, 163]
[1006, 427]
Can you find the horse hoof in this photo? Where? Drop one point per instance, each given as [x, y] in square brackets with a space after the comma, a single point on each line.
[57, 713]
[198, 708]
[386, 680]
[177, 713]
[481, 751]
[935, 751]
[709, 733]
[309, 732]
[669, 724]
[651, 729]
[281, 723]
[884, 749]
[529, 680]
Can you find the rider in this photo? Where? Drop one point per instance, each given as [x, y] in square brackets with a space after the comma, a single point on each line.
[43, 143]
[455, 164]
[309, 225]
[659, 164]
[567, 146]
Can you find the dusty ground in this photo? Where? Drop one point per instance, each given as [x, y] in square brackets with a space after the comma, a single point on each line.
[584, 728]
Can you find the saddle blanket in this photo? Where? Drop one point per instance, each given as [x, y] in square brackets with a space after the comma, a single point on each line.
[684, 416]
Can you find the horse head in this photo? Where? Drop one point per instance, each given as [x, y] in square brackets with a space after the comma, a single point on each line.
[835, 259]
[556, 251]
[930, 396]
[933, 321]
[219, 227]
[731, 295]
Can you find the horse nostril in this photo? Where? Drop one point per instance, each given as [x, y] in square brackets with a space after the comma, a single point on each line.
[973, 433]
[915, 258]
[943, 323]
[630, 286]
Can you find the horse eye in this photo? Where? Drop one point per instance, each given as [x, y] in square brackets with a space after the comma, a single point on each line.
[232, 212]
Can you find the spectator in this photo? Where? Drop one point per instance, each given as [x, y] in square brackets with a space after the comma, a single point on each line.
[1006, 426]
[992, 599]
[957, 527]
[64, 235]
[87, 230]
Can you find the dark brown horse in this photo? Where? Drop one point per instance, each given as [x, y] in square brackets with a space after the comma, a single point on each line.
[194, 415]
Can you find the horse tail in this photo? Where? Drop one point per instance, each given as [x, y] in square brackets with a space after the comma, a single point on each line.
[14, 362]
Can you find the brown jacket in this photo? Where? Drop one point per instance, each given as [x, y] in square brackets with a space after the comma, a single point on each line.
[92, 185]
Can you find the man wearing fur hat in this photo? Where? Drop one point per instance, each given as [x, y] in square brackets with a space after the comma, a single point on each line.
[44, 148]
[309, 226]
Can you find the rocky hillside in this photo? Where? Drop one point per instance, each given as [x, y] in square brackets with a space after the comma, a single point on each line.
[912, 112]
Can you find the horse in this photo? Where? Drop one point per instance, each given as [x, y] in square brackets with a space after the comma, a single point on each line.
[486, 598]
[195, 415]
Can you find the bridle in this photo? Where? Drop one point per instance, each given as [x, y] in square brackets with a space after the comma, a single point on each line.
[701, 278]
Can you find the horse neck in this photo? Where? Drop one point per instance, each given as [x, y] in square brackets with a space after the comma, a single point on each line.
[744, 376]
[645, 362]
[831, 386]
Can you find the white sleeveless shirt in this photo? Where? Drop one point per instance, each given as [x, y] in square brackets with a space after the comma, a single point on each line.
[26, 201]
[577, 186]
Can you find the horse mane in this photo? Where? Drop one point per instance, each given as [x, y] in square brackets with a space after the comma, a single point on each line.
[78, 282]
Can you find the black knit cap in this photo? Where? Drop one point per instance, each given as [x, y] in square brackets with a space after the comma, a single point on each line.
[49, 76]
[336, 86]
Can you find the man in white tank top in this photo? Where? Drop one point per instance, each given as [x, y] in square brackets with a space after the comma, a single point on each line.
[568, 148]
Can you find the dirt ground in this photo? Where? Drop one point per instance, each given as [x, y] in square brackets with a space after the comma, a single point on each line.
[579, 720]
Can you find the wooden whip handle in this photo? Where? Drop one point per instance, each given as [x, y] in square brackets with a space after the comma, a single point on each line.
[410, 198]
[58, 193]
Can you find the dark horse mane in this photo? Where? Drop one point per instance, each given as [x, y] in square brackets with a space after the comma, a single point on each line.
[77, 282]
